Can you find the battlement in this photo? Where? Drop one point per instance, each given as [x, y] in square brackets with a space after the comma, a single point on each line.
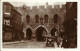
[42, 7]
[49, 7]
[46, 7]
[34, 7]
[28, 8]
[56, 6]
[63, 7]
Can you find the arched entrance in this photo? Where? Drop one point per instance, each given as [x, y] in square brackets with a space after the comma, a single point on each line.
[28, 33]
[40, 34]
[54, 32]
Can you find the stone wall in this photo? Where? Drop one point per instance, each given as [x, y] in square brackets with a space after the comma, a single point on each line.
[41, 11]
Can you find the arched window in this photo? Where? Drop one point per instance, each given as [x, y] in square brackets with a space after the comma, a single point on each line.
[28, 18]
[55, 18]
[45, 18]
[36, 19]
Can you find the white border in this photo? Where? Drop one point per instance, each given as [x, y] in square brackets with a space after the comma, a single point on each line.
[1, 23]
[45, 49]
[35, 0]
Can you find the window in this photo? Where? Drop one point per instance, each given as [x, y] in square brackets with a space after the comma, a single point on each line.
[36, 19]
[7, 8]
[7, 22]
[28, 18]
[45, 18]
[55, 18]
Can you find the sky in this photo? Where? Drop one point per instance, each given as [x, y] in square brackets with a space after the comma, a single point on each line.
[17, 4]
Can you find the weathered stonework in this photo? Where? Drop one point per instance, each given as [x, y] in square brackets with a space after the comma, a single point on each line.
[41, 11]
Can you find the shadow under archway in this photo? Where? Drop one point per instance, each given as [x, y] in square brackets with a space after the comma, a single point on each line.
[28, 33]
[53, 31]
[40, 34]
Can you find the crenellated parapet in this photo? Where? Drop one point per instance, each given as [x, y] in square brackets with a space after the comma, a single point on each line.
[45, 7]
[41, 11]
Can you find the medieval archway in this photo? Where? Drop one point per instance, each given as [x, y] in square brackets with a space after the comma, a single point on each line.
[28, 33]
[54, 32]
[40, 34]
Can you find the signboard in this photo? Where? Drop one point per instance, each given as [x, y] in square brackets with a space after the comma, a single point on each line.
[6, 14]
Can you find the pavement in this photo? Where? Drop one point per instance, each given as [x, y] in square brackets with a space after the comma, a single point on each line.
[14, 42]
[24, 44]
[28, 44]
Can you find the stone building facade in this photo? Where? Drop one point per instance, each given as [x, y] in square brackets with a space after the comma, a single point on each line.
[70, 24]
[12, 23]
[40, 20]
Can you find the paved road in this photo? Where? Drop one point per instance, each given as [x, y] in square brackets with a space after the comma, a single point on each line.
[29, 44]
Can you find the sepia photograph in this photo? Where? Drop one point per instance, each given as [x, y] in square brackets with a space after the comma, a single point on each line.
[39, 25]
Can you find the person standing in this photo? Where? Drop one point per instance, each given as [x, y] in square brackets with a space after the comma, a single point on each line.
[58, 41]
[56, 36]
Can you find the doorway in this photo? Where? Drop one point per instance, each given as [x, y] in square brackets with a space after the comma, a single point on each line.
[40, 34]
[28, 33]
